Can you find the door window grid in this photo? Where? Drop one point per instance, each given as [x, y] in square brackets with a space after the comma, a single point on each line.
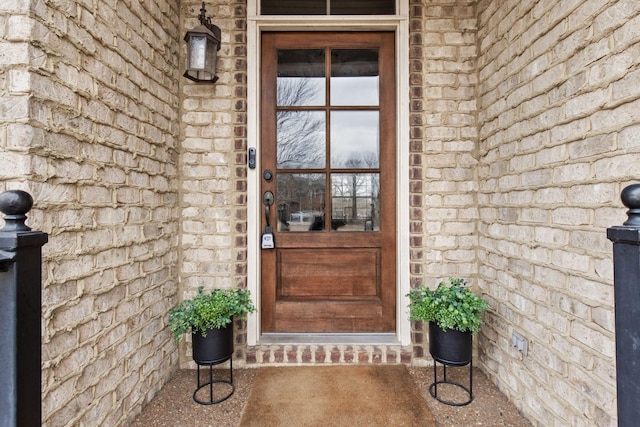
[301, 82]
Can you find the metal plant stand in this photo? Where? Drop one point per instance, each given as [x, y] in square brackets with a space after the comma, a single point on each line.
[433, 389]
[211, 382]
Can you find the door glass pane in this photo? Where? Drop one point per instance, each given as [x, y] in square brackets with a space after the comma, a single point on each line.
[354, 77]
[319, 7]
[363, 7]
[293, 7]
[301, 139]
[355, 202]
[300, 201]
[355, 139]
[301, 79]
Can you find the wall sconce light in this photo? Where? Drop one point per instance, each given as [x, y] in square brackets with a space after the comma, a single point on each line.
[203, 43]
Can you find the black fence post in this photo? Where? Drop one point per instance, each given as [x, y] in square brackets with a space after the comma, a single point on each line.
[626, 272]
[20, 306]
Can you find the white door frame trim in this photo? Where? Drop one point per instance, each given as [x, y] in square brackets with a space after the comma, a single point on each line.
[400, 25]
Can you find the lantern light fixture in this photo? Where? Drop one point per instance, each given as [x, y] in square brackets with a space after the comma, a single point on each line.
[203, 43]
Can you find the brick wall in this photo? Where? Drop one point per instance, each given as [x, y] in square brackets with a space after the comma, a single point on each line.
[15, 59]
[524, 129]
[88, 101]
[213, 214]
[444, 143]
[444, 152]
[559, 129]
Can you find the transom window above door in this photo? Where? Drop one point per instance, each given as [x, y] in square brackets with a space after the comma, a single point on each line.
[327, 7]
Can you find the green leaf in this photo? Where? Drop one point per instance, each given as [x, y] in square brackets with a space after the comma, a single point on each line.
[451, 306]
[208, 311]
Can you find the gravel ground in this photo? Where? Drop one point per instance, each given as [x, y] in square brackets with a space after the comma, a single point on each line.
[489, 406]
[174, 405]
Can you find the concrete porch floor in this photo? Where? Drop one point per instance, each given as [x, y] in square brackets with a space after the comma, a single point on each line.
[174, 406]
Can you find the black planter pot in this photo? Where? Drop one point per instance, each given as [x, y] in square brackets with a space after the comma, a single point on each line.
[216, 347]
[450, 346]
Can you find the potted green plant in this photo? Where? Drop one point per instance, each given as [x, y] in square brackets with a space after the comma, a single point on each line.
[208, 316]
[454, 314]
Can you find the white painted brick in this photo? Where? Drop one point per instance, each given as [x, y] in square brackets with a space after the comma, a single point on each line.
[611, 120]
[568, 394]
[591, 291]
[627, 33]
[604, 318]
[589, 102]
[572, 352]
[626, 88]
[629, 138]
[571, 216]
[622, 167]
[597, 340]
[551, 155]
[571, 261]
[590, 194]
[568, 173]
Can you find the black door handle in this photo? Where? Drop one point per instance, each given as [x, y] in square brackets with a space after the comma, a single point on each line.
[267, 199]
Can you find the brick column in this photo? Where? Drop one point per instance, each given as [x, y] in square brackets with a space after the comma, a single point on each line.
[626, 271]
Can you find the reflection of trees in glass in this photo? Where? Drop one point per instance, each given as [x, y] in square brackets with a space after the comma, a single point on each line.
[296, 91]
[354, 196]
[356, 160]
[300, 193]
[301, 134]
[301, 139]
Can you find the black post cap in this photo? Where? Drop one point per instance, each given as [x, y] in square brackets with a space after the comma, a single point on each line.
[15, 204]
[631, 198]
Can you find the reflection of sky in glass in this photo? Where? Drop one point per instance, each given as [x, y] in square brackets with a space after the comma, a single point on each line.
[354, 91]
[355, 139]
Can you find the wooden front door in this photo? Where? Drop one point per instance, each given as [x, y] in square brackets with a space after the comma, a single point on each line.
[328, 159]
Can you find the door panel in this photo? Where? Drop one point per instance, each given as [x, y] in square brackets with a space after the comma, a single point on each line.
[343, 316]
[328, 138]
[309, 274]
